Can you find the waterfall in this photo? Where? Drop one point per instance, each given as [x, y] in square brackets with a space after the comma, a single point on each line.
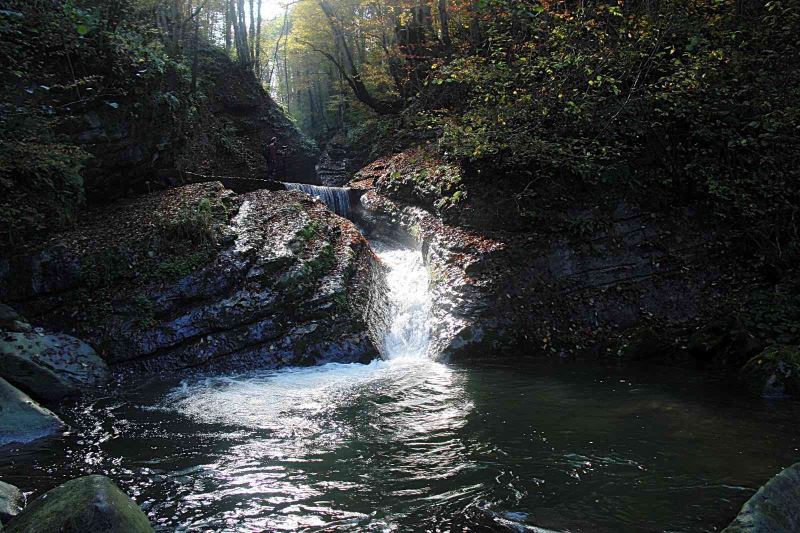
[408, 332]
[336, 198]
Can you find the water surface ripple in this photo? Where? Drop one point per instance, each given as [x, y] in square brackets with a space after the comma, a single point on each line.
[409, 444]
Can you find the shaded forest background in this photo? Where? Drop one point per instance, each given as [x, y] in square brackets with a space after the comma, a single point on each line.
[693, 102]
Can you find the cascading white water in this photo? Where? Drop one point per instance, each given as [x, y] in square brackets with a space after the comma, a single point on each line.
[408, 333]
[336, 198]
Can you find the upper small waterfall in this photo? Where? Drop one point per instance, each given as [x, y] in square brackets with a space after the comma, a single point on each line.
[336, 198]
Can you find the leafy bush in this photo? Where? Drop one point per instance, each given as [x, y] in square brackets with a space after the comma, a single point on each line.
[697, 99]
[199, 224]
[40, 186]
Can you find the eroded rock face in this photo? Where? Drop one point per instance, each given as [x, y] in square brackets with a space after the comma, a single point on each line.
[544, 290]
[197, 276]
[86, 504]
[21, 419]
[50, 366]
[775, 508]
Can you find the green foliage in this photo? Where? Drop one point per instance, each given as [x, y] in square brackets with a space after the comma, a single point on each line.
[60, 62]
[694, 99]
[226, 137]
[180, 266]
[197, 224]
[309, 230]
[144, 309]
[425, 178]
[104, 269]
[40, 186]
[320, 263]
[774, 315]
[340, 301]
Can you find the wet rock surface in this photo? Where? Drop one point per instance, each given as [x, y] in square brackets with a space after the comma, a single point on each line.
[10, 320]
[21, 419]
[50, 366]
[197, 276]
[86, 504]
[11, 501]
[549, 290]
[775, 508]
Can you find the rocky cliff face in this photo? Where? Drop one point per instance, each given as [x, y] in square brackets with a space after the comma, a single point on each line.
[222, 130]
[89, 118]
[616, 268]
[198, 276]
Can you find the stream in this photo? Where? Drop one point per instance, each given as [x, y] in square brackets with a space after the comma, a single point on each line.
[410, 444]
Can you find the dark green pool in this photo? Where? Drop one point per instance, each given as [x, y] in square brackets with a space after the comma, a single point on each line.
[412, 445]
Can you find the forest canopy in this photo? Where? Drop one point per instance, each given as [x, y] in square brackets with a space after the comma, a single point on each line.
[695, 98]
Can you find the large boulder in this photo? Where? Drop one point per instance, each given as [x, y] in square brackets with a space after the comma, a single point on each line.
[21, 419]
[51, 366]
[775, 508]
[10, 320]
[198, 276]
[11, 501]
[90, 504]
[774, 373]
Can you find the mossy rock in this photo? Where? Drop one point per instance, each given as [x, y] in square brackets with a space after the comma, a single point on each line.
[90, 504]
[725, 342]
[774, 373]
[10, 320]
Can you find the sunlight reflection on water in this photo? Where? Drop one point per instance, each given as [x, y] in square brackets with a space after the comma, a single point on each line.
[410, 444]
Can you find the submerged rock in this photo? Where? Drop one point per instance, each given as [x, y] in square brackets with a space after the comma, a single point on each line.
[11, 501]
[50, 366]
[775, 508]
[197, 276]
[21, 419]
[83, 505]
[774, 373]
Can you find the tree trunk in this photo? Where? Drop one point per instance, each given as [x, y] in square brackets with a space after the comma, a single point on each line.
[240, 33]
[196, 57]
[286, 76]
[348, 70]
[258, 43]
[474, 25]
[228, 26]
[252, 39]
[444, 23]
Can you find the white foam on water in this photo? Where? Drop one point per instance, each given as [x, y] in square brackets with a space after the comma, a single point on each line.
[290, 397]
[408, 335]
